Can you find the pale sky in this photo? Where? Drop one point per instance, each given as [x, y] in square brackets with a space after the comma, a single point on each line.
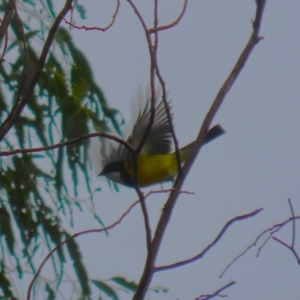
[255, 164]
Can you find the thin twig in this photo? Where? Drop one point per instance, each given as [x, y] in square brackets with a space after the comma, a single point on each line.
[24, 52]
[294, 223]
[289, 247]
[105, 229]
[152, 75]
[72, 12]
[98, 230]
[163, 85]
[170, 190]
[214, 242]
[4, 48]
[174, 23]
[8, 14]
[71, 141]
[146, 133]
[96, 27]
[217, 293]
[24, 42]
[275, 228]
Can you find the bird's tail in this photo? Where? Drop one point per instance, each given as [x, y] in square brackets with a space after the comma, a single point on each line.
[212, 133]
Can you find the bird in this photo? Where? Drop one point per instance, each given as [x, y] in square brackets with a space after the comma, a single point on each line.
[156, 162]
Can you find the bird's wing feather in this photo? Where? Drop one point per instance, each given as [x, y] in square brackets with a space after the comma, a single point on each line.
[159, 139]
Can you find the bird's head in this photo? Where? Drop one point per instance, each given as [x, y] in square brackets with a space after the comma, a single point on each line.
[113, 171]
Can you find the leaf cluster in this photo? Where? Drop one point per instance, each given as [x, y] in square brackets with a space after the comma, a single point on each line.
[35, 190]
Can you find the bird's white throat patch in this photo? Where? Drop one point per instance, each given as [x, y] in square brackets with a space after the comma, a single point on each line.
[115, 176]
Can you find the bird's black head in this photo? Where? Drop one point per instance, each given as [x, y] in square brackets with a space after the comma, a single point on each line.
[115, 171]
[113, 167]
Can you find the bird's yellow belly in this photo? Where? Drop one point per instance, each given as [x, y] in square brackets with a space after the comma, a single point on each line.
[154, 168]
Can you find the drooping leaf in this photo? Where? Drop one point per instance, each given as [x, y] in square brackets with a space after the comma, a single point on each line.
[5, 286]
[50, 292]
[106, 289]
[75, 255]
[129, 285]
[6, 230]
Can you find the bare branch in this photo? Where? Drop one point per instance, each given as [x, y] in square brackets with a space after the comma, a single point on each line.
[19, 21]
[4, 48]
[96, 27]
[270, 231]
[8, 14]
[153, 69]
[168, 191]
[62, 144]
[292, 249]
[24, 52]
[74, 236]
[163, 85]
[176, 22]
[152, 75]
[143, 139]
[217, 293]
[72, 11]
[215, 241]
[170, 204]
[25, 95]
[294, 223]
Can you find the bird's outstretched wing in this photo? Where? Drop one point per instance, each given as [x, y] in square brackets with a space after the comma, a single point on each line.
[159, 139]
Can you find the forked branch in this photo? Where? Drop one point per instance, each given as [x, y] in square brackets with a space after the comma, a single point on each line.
[167, 212]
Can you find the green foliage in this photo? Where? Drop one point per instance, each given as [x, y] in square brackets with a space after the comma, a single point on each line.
[128, 285]
[106, 289]
[35, 192]
[5, 285]
[50, 292]
[78, 266]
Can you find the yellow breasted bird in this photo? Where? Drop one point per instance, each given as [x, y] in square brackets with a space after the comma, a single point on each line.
[156, 163]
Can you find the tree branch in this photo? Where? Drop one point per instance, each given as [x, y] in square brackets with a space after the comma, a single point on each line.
[76, 235]
[174, 23]
[167, 212]
[217, 293]
[36, 275]
[292, 247]
[8, 14]
[71, 141]
[162, 82]
[153, 69]
[215, 241]
[96, 27]
[272, 230]
[143, 139]
[30, 84]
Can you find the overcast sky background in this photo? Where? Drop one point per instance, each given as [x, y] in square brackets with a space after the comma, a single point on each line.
[255, 164]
